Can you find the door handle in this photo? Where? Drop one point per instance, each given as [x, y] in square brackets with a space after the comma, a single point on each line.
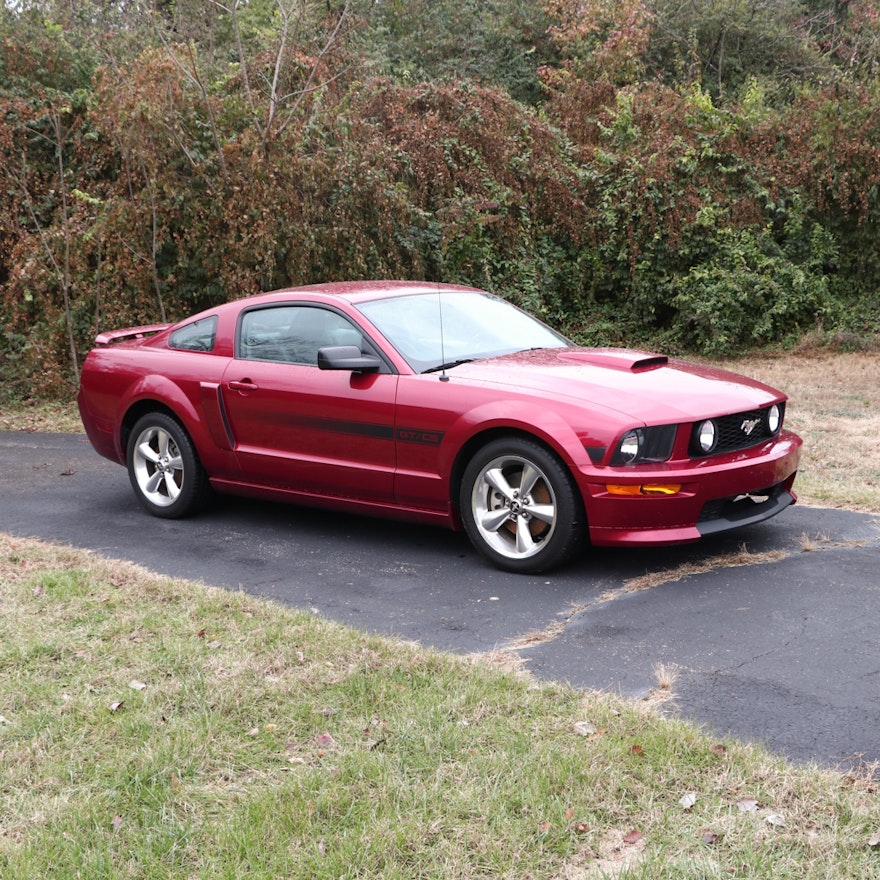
[244, 385]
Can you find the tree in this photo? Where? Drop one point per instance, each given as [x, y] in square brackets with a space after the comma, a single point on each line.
[43, 104]
[602, 39]
[721, 44]
[281, 51]
[489, 42]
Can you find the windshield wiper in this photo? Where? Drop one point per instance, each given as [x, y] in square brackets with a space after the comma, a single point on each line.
[449, 365]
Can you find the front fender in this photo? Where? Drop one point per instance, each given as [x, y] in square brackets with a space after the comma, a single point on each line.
[490, 419]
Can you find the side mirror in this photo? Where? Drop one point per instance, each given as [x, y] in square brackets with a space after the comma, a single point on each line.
[347, 357]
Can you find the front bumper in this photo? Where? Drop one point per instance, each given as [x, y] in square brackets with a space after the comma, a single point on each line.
[715, 495]
[745, 510]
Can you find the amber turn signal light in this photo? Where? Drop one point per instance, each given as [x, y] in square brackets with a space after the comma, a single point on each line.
[643, 488]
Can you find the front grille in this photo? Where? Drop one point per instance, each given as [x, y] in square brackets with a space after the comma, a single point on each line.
[737, 431]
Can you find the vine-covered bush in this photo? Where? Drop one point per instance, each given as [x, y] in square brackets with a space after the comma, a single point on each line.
[142, 184]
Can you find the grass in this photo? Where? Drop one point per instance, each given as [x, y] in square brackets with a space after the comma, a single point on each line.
[153, 728]
[835, 406]
[40, 415]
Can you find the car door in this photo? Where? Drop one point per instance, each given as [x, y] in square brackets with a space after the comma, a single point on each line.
[302, 429]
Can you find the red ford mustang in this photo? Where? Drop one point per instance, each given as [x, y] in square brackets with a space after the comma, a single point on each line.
[442, 404]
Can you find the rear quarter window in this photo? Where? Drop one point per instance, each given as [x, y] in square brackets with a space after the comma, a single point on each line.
[198, 336]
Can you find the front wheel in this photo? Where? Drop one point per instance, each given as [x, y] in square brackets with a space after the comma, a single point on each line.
[163, 467]
[520, 506]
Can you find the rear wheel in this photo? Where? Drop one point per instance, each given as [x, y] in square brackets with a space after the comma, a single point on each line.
[520, 506]
[163, 467]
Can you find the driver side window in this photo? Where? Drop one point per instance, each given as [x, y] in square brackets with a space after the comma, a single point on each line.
[293, 334]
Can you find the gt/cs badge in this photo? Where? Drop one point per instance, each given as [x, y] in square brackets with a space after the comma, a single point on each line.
[414, 435]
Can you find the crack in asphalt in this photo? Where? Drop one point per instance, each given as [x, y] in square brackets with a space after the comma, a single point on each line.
[757, 658]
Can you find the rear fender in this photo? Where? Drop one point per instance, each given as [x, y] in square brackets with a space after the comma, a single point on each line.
[157, 393]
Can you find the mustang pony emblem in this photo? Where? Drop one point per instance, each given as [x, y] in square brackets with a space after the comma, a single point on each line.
[749, 425]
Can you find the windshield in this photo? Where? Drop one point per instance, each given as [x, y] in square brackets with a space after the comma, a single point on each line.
[433, 330]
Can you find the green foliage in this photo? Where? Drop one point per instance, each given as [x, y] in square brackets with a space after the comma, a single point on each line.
[712, 249]
[751, 293]
[725, 43]
[493, 43]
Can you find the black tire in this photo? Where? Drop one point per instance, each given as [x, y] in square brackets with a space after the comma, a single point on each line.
[163, 467]
[521, 531]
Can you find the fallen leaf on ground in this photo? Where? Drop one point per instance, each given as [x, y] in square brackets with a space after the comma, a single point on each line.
[584, 728]
[688, 800]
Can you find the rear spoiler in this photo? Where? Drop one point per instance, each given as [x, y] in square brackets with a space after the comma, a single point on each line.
[129, 333]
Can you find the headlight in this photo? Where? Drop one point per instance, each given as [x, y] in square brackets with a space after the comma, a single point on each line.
[630, 446]
[774, 418]
[645, 444]
[707, 435]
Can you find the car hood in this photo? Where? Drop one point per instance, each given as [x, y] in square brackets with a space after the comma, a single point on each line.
[647, 387]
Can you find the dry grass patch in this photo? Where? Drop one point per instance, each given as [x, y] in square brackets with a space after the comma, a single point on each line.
[653, 579]
[666, 675]
[61, 417]
[542, 636]
[835, 406]
[503, 660]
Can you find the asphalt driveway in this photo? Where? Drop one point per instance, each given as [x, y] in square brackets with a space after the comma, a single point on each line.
[783, 650]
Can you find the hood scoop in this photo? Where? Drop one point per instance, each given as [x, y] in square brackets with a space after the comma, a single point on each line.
[616, 359]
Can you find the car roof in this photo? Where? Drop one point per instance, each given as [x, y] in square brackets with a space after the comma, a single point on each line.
[361, 291]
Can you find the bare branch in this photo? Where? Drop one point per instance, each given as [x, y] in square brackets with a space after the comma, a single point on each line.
[232, 11]
[274, 102]
[193, 75]
[331, 40]
[60, 270]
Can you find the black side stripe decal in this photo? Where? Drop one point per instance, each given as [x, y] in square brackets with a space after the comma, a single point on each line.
[378, 432]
